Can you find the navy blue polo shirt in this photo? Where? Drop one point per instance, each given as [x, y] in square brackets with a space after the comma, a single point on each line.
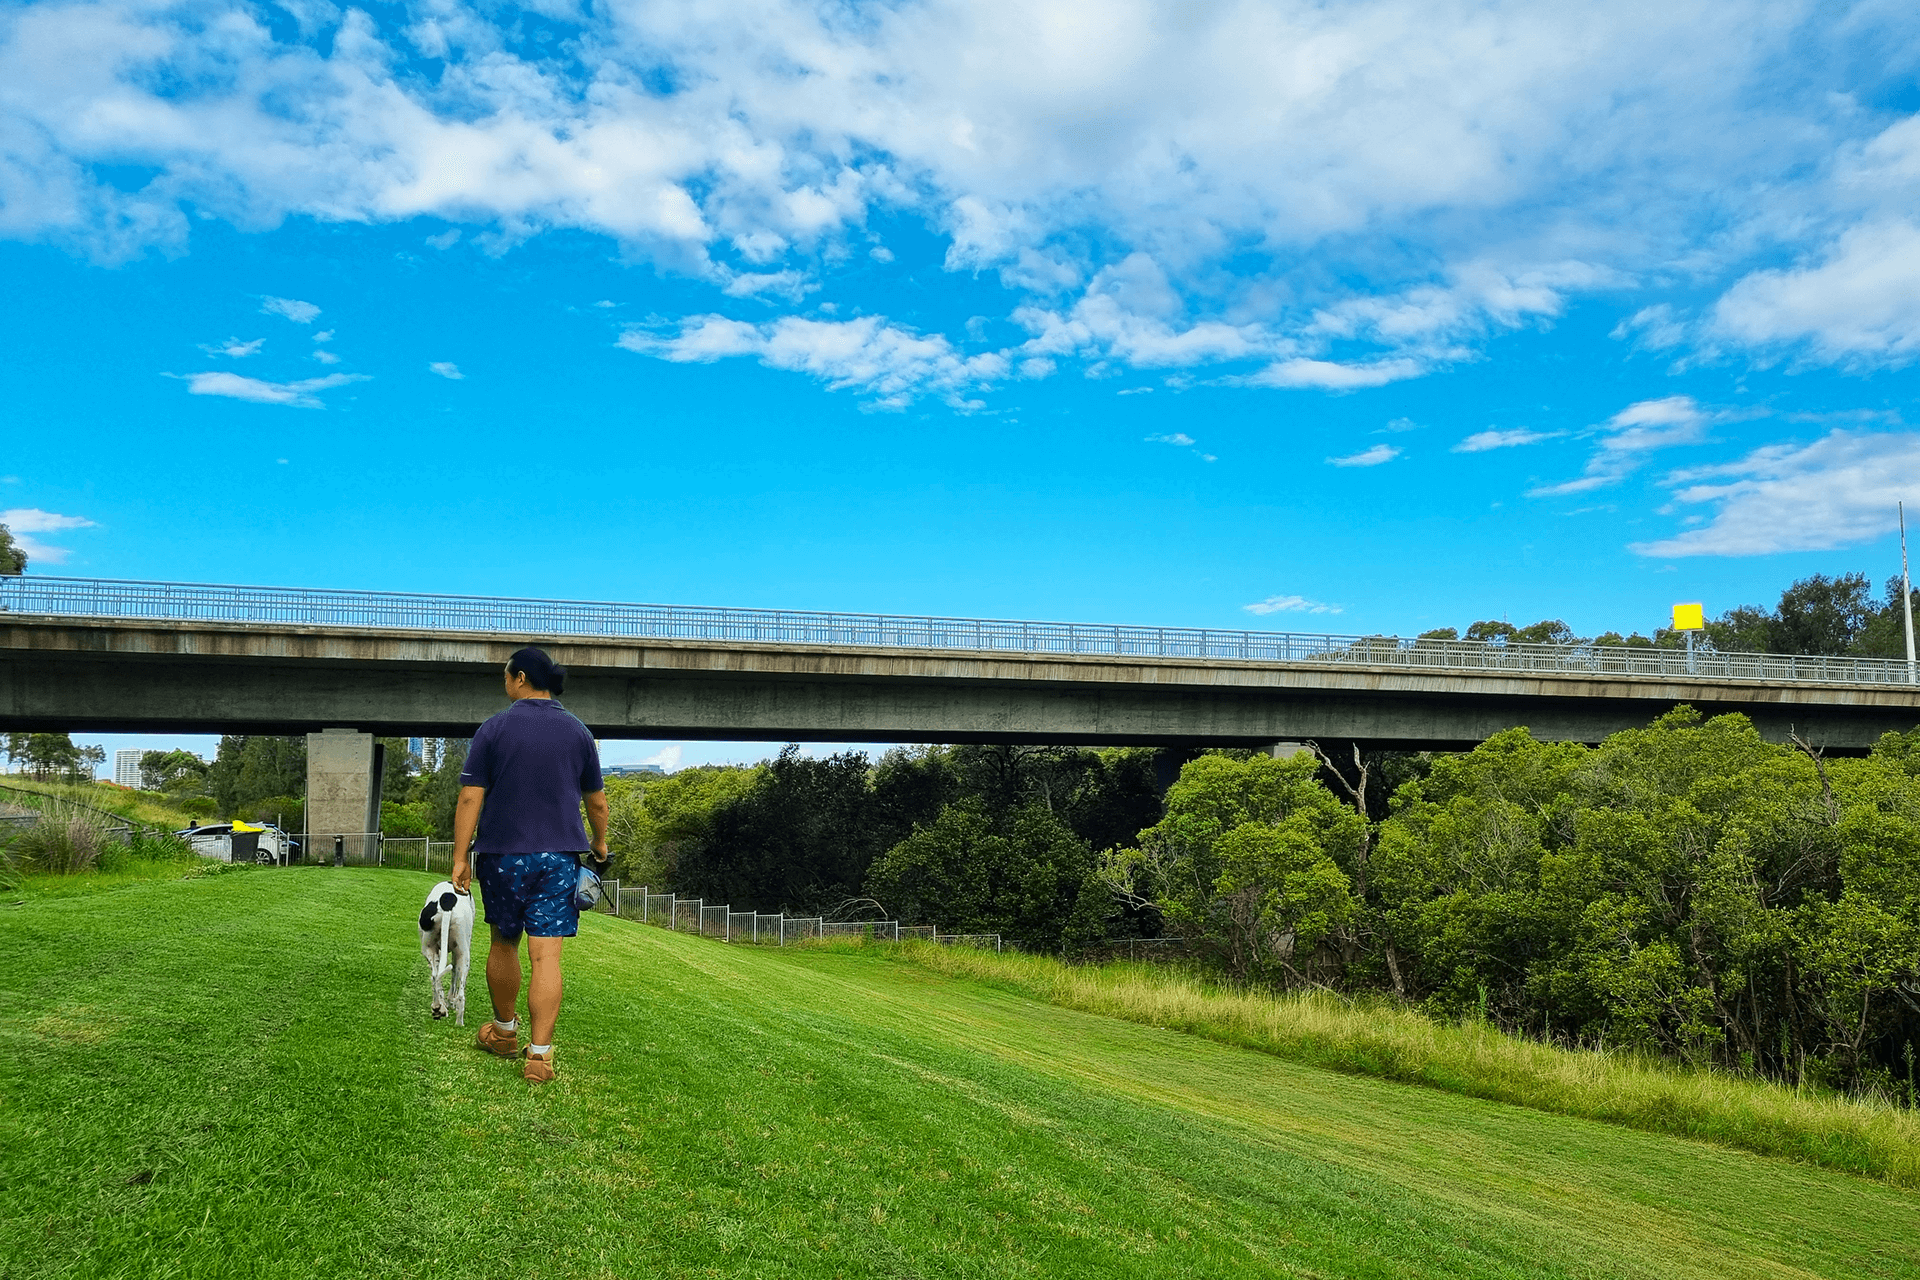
[536, 760]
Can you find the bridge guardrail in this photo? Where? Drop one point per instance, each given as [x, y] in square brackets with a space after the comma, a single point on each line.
[287, 606]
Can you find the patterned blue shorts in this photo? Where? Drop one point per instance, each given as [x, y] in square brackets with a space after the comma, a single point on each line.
[529, 893]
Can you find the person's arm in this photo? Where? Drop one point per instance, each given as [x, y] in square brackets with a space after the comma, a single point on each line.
[597, 819]
[466, 819]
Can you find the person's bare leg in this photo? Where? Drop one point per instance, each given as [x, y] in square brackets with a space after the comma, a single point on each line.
[503, 976]
[543, 992]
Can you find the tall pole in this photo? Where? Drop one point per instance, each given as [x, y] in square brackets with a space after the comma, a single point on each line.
[1906, 591]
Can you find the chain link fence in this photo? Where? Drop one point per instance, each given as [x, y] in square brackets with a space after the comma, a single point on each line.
[695, 915]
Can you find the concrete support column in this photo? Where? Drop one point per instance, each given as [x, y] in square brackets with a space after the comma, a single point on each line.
[1286, 750]
[343, 784]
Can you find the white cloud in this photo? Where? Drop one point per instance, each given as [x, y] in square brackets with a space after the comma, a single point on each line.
[24, 522]
[1329, 375]
[1290, 604]
[447, 369]
[891, 363]
[1838, 491]
[1861, 304]
[1630, 435]
[1482, 441]
[234, 348]
[1367, 457]
[1657, 328]
[791, 285]
[299, 395]
[1342, 195]
[325, 357]
[1178, 437]
[324, 336]
[290, 308]
[1131, 311]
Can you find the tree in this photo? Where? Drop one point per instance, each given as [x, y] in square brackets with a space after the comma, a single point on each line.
[652, 823]
[802, 836]
[1247, 864]
[1816, 615]
[47, 754]
[1746, 629]
[440, 789]
[252, 768]
[1546, 631]
[1885, 635]
[397, 769]
[1024, 878]
[176, 772]
[1491, 629]
[13, 559]
[1822, 615]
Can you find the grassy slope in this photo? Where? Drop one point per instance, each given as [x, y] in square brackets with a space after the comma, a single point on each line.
[143, 806]
[234, 1075]
[1400, 1044]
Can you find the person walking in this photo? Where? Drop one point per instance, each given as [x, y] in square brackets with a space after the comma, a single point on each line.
[526, 774]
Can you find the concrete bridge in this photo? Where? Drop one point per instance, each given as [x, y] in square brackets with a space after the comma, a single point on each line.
[79, 654]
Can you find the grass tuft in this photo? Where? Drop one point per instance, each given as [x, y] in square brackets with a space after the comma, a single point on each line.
[67, 840]
[1376, 1038]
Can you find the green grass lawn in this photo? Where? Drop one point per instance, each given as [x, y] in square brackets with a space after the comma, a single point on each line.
[236, 1075]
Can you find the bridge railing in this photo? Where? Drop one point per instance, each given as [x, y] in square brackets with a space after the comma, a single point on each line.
[537, 619]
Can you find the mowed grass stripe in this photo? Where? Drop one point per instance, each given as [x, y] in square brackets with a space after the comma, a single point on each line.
[260, 1041]
[1606, 1193]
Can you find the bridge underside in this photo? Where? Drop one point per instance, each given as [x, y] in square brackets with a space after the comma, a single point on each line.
[130, 677]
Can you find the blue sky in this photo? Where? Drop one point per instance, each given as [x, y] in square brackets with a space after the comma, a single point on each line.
[1364, 317]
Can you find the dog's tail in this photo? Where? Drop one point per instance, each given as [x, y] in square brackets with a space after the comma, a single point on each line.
[437, 916]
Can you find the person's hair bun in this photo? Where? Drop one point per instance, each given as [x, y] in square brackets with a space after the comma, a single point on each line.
[542, 672]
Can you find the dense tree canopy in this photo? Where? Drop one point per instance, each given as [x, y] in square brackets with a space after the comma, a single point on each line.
[13, 558]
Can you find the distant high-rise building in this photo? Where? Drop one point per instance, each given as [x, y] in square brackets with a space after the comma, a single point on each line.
[126, 767]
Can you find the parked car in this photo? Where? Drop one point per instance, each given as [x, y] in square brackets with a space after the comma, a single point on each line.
[263, 843]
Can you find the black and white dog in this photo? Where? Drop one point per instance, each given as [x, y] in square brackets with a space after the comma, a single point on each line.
[446, 939]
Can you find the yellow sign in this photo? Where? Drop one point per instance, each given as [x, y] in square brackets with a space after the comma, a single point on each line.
[243, 828]
[1689, 617]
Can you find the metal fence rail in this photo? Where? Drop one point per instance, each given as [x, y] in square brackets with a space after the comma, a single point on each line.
[285, 606]
[693, 915]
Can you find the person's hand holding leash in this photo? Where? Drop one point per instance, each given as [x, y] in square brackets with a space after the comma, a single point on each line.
[466, 821]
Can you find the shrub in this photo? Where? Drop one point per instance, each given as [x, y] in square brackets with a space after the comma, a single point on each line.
[407, 820]
[283, 811]
[65, 841]
[145, 849]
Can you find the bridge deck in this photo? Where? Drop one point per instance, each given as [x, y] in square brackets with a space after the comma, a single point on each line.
[68, 672]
